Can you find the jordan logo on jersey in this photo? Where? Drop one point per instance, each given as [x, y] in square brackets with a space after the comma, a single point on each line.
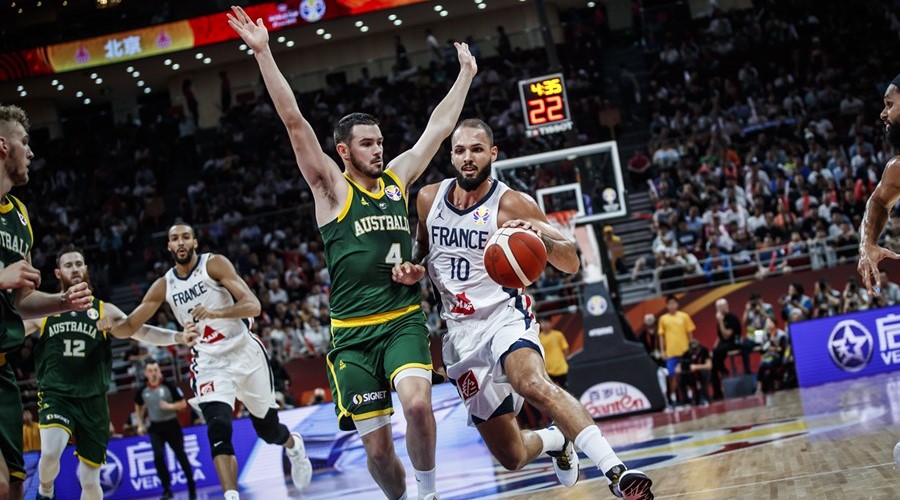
[463, 305]
[211, 336]
[468, 385]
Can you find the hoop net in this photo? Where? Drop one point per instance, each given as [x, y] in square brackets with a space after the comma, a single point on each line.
[564, 222]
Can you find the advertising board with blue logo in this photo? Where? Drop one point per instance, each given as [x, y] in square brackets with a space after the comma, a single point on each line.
[847, 346]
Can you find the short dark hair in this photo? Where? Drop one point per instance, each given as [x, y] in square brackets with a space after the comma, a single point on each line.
[476, 123]
[343, 132]
[68, 249]
[671, 296]
[193, 233]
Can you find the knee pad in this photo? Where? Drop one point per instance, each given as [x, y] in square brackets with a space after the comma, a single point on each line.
[218, 427]
[269, 429]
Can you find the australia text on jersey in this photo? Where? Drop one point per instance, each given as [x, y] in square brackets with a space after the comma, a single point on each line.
[381, 223]
[14, 243]
[72, 326]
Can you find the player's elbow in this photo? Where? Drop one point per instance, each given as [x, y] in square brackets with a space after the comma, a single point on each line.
[255, 307]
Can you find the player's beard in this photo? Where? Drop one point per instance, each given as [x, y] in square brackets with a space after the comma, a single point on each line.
[893, 135]
[367, 169]
[472, 183]
[187, 256]
[66, 283]
[17, 167]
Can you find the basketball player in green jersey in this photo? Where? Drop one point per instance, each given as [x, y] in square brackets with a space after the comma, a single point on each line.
[18, 296]
[379, 336]
[73, 359]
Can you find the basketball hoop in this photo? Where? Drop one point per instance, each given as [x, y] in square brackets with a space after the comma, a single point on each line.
[564, 222]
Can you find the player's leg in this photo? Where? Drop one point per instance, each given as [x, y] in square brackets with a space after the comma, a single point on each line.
[407, 358]
[91, 419]
[89, 477]
[158, 443]
[12, 473]
[218, 430]
[53, 443]
[512, 446]
[257, 391]
[174, 436]
[525, 370]
[362, 400]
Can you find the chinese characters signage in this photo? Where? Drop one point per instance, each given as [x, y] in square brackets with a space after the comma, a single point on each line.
[847, 346]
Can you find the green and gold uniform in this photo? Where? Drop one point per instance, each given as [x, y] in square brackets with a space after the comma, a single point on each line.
[16, 240]
[377, 326]
[74, 365]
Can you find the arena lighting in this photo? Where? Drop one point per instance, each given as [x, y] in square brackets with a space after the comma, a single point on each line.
[479, 1]
[444, 13]
[87, 100]
[438, 8]
[327, 36]
[20, 88]
[94, 76]
[60, 87]
[129, 69]
[320, 31]
[591, 4]
[136, 74]
[54, 82]
[147, 90]
[140, 83]
[98, 81]
[281, 39]
[249, 52]
[398, 22]
[358, 24]
[176, 66]
[198, 56]
[364, 28]
[290, 43]
[23, 94]
[167, 62]
[242, 47]
[392, 17]
[79, 94]
[207, 60]
[482, 5]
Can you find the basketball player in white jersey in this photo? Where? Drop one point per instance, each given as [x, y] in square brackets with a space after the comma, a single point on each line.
[228, 361]
[491, 348]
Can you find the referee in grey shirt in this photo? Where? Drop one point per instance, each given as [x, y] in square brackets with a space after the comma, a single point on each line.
[163, 400]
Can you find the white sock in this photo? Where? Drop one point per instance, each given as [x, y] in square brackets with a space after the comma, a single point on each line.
[425, 482]
[551, 439]
[597, 448]
[45, 493]
[232, 495]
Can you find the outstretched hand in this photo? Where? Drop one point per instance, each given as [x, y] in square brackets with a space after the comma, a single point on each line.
[78, 298]
[254, 35]
[466, 59]
[869, 257]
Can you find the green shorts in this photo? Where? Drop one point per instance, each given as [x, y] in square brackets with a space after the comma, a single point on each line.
[85, 419]
[11, 422]
[364, 360]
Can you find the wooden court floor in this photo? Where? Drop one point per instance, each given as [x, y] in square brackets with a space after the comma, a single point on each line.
[829, 442]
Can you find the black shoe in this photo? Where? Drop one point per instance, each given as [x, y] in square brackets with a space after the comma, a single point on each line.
[167, 495]
[42, 497]
[629, 484]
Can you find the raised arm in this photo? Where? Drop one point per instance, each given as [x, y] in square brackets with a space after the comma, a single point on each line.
[246, 305]
[409, 165]
[878, 209]
[520, 210]
[321, 173]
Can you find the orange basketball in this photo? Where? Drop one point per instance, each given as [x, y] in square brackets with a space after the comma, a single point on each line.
[514, 257]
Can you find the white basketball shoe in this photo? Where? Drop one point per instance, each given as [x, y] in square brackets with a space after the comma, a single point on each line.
[566, 464]
[301, 467]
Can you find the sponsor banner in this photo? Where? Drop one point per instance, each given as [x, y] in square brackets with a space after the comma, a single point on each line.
[119, 47]
[614, 398]
[845, 347]
[175, 36]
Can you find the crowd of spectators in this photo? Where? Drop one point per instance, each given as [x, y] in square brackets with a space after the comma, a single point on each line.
[765, 138]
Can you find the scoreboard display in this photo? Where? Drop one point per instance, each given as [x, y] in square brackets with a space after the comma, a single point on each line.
[545, 105]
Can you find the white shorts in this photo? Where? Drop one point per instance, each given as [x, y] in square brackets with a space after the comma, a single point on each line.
[240, 373]
[478, 374]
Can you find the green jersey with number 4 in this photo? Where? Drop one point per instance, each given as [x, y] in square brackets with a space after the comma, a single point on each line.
[362, 245]
[73, 357]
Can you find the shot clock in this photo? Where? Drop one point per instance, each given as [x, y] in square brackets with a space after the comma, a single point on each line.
[544, 105]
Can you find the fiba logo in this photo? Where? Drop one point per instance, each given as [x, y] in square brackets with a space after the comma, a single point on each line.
[481, 215]
[110, 474]
[312, 10]
[609, 195]
[850, 345]
[597, 305]
[393, 192]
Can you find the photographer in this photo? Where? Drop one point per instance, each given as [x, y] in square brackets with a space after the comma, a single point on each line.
[728, 326]
[756, 312]
[855, 298]
[826, 300]
[795, 300]
[773, 350]
[694, 373]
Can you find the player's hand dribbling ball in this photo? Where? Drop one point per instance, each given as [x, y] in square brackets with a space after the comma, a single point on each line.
[514, 257]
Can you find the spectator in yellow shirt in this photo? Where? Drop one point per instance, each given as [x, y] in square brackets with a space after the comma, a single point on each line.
[31, 433]
[676, 329]
[555, 351]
